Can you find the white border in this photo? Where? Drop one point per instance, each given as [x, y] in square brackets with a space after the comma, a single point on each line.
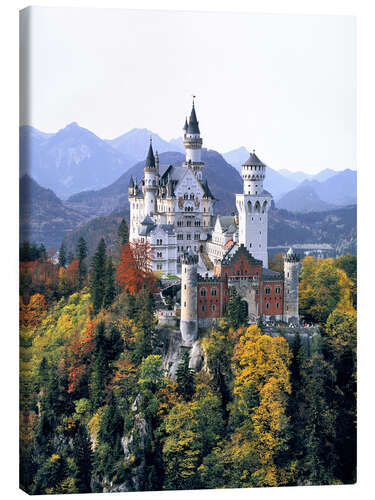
[364, 10]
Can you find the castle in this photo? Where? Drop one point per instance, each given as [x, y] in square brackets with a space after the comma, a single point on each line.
[172, 209]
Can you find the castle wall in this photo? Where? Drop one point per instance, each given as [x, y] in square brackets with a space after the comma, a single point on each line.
[272, 298]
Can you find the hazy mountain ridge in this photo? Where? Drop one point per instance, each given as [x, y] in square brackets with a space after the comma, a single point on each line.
[311, 195]
[43, 216]
[224, 181]
[135, 144]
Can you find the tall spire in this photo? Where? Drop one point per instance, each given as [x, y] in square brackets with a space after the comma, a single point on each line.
[193, 127]
[150, 160]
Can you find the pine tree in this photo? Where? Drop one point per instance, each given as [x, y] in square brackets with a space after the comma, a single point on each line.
[98, 272]
[82, 455]
[123, 233]
[62, 256]
[81, 256]
[100, 368]
[109, 284]
[185, 378]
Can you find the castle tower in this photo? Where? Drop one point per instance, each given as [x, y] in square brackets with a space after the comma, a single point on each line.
[189, 286]
[292, 267]
[151, 181]
[253, 205]
[193, 144]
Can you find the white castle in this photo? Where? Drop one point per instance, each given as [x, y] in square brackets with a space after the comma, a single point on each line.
[172, 209]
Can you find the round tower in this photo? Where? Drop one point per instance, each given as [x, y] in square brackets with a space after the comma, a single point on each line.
[189, 287]
[151, 181]
[193, 144]
[253, 205]
[292, 267]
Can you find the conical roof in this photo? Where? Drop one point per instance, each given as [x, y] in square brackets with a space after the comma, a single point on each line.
[185, 127]
[253, 160]
[193, 127]
[150, 160]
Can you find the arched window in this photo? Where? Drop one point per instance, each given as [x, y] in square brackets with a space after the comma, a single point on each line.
[203, 292]
[257, 207]
[249, 207]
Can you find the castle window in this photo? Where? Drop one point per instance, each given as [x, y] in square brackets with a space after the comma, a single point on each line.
[277, 290]
[159, 267]
[214, 292]
[203, 292]
[188, 236]
[188, 223]
[191, 196]
[286, 307]
[226, 293]
[197, 223]
[267, 305]
[213, 307]
[180, 236]
[184, 304]
[184, 287]
[256, 291]
[203, 308]
[288, 275]
[268, 291]
[250, 245]
[277, 305]
[186, 196]
[196, 236]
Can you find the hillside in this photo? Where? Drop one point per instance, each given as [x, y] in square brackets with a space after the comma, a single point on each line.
[337, 227]
[303, 199]
[43, 216]
[95, 229]
[223, 179]
[71, 160]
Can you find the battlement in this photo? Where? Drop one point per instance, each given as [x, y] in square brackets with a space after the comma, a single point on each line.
[213, 279]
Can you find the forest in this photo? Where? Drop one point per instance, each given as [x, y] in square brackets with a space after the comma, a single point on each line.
[98, 413]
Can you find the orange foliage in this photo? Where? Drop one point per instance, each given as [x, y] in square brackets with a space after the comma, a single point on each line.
[72, 273]
[31, 313]
[80, 348]
[134, 270]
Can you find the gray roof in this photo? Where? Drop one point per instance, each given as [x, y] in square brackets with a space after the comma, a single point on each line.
[269, 273]
[167, 228]
[150, 160]
[186, 124]
[131, 182]
[253, 160]
[193, 127]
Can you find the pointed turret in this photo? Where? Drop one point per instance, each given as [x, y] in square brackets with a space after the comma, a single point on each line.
[185, 127]
[193, 127]
[131, 182]
[150, 160]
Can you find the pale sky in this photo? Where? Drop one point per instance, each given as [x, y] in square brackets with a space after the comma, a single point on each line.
[284, 85]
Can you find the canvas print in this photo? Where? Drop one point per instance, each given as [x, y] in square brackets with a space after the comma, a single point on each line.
[187, 250]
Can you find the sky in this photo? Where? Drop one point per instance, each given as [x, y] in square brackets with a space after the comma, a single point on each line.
[284, 85]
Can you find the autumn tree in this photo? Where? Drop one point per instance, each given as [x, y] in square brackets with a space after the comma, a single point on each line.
[277, 262]
[134, 269]
[261, 387]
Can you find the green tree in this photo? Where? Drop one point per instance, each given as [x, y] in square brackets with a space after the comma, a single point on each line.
[81, 256]
[109, 284]
[62, 256]
[82, 455]
[236, 310]
[185, 378]
[100, 368]
[97, 278]
[123, 233]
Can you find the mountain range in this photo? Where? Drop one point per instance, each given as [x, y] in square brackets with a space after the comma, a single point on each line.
[78, 165]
